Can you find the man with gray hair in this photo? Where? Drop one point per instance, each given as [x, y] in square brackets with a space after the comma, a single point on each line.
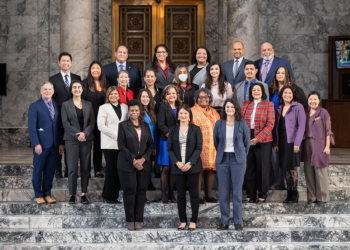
[46, 133]
[269, 63]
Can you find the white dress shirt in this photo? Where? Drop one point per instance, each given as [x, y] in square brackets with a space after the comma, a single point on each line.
[124, 65]
[252, 117]
[239, 63]
[64, 78]
[229, 140]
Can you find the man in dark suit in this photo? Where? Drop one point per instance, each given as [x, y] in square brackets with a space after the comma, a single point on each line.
[112, 69]
[269, 63]
[46, 133]
[234, 69]
[61, 83]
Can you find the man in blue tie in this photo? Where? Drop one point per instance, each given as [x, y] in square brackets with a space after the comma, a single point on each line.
[61, 83]
[46, 133]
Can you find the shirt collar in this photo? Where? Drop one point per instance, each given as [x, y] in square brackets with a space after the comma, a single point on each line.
[63, 74]
[252, 81]
[46, 101]
[269, 62]
[124, 64]
[239, 60]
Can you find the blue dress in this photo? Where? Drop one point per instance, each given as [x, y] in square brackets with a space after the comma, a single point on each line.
[162, 151]
[275, 101]
[153, 128]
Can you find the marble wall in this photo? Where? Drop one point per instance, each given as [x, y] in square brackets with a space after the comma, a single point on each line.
[30, 44]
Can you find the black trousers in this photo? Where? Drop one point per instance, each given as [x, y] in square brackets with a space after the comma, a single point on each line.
[134, 185]
[112, 183]
[258, 169]
[59, 161]
[192, 180]
[97, 154]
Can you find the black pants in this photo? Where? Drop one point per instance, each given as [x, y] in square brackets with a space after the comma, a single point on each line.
[59, 161]
[134, 185]
[112, 183]
[97, 154]
[258, 169]
[192, 180]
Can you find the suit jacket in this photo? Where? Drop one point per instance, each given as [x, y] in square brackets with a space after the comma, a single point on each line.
[131, 148]
[277, 62]
[166, 119]
[295, 119]
[193, 149]
[239, 91]
[108, 124]
[61, 92]
[201, 76]
[227, 68]
[161, 81]
[42, 129]
[241, 141]
[112, 74]
[71, 123]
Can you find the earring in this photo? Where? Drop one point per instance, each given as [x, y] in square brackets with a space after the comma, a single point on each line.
[189, 120]
[118, 84]
[128, 84]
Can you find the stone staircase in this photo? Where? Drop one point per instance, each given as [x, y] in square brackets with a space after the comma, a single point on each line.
[272, 225]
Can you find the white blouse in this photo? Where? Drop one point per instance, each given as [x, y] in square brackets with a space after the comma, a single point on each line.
[252, 117]
[229, 140]
[182, 141]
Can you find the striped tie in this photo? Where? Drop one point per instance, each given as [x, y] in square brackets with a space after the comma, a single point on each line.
[66, 81]
[52, 114]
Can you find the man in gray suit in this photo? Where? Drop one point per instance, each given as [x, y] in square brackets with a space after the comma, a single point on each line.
[234, 69]
[241, 91]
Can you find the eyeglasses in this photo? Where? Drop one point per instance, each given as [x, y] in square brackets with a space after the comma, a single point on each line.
[203, 97]
[161, 52]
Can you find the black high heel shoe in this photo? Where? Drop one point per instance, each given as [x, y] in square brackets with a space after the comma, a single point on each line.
[182, 228]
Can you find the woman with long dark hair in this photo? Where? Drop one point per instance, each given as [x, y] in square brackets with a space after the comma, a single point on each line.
[184, 86]
[200, 59]
[96, 86]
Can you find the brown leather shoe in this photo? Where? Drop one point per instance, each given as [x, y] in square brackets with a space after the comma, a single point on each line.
[130, 226]
[40, 200]
[201, 201]
[49, 199]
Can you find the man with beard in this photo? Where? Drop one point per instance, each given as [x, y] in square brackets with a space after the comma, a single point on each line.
[269, 63]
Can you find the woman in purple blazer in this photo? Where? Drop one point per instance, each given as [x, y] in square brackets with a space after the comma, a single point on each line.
[288, 135]
[316, 153]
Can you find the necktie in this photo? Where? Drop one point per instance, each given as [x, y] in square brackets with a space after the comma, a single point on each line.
[66, 81]
[235, 68]
[264, 73]
[121, 67]
[247, 93]
[52, 114]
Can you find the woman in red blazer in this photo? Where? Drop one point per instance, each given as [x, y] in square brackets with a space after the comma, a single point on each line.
[126, 94]
[259, 114]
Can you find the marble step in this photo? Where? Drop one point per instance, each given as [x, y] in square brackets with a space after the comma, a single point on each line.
[180, 246]
[201, 236]
[171, 221]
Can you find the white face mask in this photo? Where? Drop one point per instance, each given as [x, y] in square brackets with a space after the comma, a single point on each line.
[183, 77]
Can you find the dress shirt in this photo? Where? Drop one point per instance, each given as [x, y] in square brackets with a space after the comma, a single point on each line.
[239, 63]
[47, 105]
[182, 141]
[64, 78]
[269, 64]
[252, 117]
[229, 140]
[117, 110]
[246, 86]
[124, 65]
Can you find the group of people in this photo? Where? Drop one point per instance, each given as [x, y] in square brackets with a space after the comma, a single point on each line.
[246, 122]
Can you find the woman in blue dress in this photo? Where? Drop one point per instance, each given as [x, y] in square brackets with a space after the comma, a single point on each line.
[166, 117]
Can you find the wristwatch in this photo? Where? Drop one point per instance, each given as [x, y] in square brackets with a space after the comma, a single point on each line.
[190, 163]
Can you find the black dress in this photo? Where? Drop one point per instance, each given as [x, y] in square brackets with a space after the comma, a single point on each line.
[288, 159]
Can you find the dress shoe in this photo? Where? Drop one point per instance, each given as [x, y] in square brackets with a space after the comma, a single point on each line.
[181, 228]
[173, 200]
[289, 196]
[49, 199]
[192, 228]
[165, 201]
[99, 175]
[222, 227]
[58, 174]
[211, 199]
[109, 201]
[261, 201]
[84, 200]
[202, 201]
[72, 199]
[310, 202]
[295, 196]
[40, 201]
[238, 227]
[130, 226]
[138, 226]
[321, 202]
[248, 201]
[117, 201]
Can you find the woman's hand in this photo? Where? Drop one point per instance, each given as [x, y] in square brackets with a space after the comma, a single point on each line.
[180, 165]
[186, 167]
[154, 152]
[275, 149]
[138, 163]
[167, 134]
[327, 150]
[254, 142]
[296, 149]
[81, 136]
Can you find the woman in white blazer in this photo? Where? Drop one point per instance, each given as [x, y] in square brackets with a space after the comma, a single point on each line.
[109, 116]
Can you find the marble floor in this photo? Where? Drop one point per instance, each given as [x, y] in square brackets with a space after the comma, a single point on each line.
[24, 156]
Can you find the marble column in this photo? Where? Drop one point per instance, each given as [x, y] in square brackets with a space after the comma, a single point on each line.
[243, 25]
[76, 33]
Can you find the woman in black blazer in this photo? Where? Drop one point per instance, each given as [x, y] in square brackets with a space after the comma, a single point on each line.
[184, 148]
[166, 118]
[134, 164]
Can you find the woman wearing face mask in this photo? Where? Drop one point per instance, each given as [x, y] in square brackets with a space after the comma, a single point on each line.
[288, 135]
[184, 86]
[96, 86]
[109, 117]
[201, 59]
[316, 153]
[126, 94]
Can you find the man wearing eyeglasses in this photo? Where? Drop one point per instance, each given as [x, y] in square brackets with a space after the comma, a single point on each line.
[112, 70]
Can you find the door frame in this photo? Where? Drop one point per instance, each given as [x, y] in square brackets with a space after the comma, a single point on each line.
[158, 34]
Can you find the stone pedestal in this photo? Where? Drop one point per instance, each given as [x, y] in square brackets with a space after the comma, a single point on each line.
[243, 25]
[76, 33]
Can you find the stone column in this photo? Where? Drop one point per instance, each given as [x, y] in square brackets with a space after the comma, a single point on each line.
[243, 25]
[76, 33]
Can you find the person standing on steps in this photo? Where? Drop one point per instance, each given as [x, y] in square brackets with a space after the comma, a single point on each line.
[61, 83]
[198, 71]
[183, 84]
[46, 134]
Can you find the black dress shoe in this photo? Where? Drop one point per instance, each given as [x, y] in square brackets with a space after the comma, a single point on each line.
[310, 202]
[181, 228]
[321, 202]
[222, 227]
[117, 201]
[66, 173]
[99, 175]
[72, 200]
[109, 201]
[248, 201]
[191, 228]
[58, 174]
[165, 201]
[238, 227]
[84, 200]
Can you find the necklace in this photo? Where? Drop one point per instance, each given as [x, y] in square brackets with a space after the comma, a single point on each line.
[183, 92]
[138, 126]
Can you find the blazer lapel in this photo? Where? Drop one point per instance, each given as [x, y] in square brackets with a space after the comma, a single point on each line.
[85, 113]
[45, 107]
[171, 111]
[272, 69]
[317, 113]
[115, 70]
[133, 131]
[128, 67]
[223, 130]
[235, 131]
[72, 109]
[240, 68]
[111, 110]
[162, 75]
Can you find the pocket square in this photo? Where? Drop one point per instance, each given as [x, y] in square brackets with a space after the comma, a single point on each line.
[318, 117]
[40, 129]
